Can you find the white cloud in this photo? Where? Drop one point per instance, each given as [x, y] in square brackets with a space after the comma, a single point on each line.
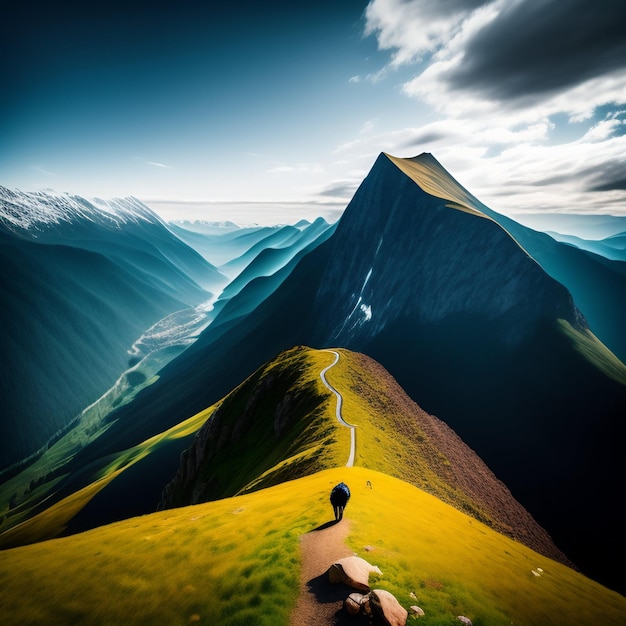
[155, 164]
[415, 29]
[498, 98]
[311, 168]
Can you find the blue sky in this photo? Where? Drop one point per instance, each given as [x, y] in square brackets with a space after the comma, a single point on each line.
[272, 111]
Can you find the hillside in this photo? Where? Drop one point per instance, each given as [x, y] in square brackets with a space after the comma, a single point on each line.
[278, 426]
[237, 561]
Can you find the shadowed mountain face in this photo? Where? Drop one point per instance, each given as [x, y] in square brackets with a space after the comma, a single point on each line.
[80, 282]
[467, 322]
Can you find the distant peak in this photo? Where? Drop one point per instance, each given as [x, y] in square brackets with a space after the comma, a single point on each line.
[25, 210]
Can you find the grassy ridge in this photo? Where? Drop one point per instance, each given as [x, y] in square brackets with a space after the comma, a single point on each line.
[278, 425]
[236, 561]
[40, 523]
[310, 439]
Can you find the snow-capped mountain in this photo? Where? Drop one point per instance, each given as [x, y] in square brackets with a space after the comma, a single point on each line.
[34, 210]
[80, 281]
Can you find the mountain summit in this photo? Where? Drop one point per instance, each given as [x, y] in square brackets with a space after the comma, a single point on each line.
[421, 278]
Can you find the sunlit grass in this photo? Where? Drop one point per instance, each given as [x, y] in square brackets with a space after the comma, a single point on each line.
[236, 561]
[387, 438]
[592, 349]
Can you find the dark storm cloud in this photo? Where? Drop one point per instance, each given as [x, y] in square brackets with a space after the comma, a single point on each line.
[607, 176]
[423, 137]
[612, 177]
[536, 47]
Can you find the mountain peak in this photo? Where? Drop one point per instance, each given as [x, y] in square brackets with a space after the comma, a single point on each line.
[21, 210]
[435, 180]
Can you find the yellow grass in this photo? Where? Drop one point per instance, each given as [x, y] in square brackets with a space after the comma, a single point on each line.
[236, 561]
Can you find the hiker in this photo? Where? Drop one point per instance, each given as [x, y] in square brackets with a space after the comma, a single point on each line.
[339, 497]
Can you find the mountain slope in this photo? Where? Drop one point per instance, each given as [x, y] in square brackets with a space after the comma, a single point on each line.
[468, 324]
[278, 425]
[237, 561]
[80, 282]
[597, 284]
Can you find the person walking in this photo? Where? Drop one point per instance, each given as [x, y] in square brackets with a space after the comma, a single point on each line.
[339, 497]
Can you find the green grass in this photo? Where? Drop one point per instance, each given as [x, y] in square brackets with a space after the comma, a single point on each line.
[37, 525]
[236, 561]
[312, 440]
[38, 480]
[592, 349]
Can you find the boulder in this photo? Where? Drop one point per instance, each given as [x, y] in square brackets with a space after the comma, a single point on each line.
[354, 603]
[352, 571]
[386, 609]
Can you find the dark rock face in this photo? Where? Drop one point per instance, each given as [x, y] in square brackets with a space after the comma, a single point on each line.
[400, 252]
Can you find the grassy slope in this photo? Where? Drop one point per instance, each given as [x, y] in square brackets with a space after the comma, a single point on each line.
[236, 561]
[248, 454]
[38, 522]
[315, 442]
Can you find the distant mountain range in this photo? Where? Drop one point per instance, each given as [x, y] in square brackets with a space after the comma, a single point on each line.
[80, 282]
[509, 337]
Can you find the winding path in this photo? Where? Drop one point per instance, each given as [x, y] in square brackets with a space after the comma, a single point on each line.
[338, 415]
[319, 602]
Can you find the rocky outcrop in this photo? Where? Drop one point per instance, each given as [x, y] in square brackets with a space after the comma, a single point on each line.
[352, 571]
[386, 609]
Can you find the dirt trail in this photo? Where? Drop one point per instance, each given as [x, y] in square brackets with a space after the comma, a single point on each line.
[320, 601]
[338, 413]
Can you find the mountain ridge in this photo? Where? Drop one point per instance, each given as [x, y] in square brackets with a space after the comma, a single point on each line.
[394, 436]
[465, 320]
[467, 323]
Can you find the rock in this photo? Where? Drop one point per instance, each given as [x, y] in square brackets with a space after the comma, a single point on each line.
[386, 609]
[416, 610]
[354, 603]
[464, 620]
[353, 571]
